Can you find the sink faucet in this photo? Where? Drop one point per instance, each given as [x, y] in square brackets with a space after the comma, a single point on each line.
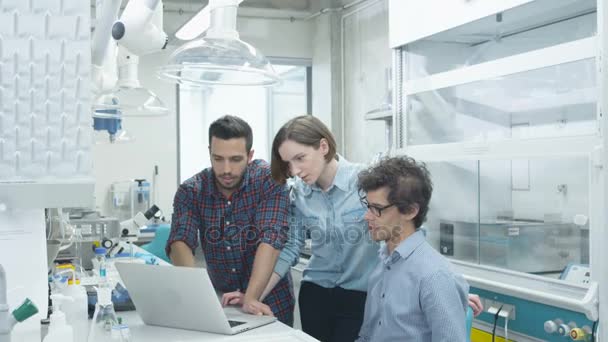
[8, 320]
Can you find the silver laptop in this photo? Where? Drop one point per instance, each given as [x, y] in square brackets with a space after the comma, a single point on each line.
[184, 298]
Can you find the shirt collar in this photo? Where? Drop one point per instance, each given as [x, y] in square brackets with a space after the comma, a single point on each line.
[404, 249]
[341, 179]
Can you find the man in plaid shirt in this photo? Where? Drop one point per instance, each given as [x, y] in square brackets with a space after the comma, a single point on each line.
[240, 216]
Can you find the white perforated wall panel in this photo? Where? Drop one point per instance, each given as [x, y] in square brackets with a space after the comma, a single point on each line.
[45, 120]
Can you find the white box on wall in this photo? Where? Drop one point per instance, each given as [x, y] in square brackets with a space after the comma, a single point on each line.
[45, 104]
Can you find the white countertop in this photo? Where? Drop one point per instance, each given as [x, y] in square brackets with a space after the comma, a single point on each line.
[274, 332]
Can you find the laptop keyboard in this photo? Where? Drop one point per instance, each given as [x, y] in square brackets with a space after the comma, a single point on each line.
[235, 323]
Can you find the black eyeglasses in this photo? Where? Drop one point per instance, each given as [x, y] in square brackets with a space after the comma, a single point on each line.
[374, 209]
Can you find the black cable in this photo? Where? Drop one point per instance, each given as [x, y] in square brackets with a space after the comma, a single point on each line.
[495, 321]
[593, 331]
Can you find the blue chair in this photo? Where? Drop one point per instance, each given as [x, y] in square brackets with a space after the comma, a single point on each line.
[157, 245]
[469, 322]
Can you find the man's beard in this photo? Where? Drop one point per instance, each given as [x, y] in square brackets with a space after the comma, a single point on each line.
[231, 187]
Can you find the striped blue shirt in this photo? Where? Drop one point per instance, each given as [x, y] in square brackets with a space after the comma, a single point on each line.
[343, 254]
[414, 296]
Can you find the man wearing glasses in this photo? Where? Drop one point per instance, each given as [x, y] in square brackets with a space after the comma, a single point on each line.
[412, 293]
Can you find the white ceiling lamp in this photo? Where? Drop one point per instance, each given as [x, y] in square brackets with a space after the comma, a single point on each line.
[220, 57]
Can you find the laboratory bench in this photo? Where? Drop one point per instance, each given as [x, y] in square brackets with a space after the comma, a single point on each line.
[141, 332]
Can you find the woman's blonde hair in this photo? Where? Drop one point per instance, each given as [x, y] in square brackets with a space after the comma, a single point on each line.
[306, 130]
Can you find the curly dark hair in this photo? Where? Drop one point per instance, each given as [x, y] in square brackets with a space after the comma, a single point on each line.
[409, 182]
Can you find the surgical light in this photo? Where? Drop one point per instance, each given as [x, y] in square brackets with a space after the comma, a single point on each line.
[220, 57]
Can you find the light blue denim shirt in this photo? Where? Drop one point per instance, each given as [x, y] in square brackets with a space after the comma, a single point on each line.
[414, 296]
[343, 253]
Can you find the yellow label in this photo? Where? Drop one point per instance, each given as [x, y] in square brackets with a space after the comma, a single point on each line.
[482, 336]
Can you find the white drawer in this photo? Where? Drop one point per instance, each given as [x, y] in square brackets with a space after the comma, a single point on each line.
[411, 20]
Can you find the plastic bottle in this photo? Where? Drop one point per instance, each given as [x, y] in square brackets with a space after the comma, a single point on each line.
[76, 311]
[100, 261]
[59, 329]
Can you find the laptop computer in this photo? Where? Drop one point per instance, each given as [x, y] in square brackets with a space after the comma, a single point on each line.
[184, 298]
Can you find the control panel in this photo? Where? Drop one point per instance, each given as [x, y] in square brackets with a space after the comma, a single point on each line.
[531, 319]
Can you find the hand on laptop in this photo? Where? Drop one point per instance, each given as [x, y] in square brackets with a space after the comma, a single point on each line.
[233, 298]
[255, 307]
[251, 306]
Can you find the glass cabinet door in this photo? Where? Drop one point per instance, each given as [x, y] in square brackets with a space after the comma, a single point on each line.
[556, 101]
[527, 73]
[527, 215]
[504, 110]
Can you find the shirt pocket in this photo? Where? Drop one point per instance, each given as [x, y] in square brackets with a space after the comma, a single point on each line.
[320, 240]
[355, 226]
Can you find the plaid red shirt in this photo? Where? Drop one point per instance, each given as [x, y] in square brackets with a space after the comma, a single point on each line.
[230, 229]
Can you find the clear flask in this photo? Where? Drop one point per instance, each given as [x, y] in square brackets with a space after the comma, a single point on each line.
[104, 318]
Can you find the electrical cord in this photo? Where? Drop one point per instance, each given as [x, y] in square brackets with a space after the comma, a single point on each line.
[506, 325]
[593, 331]
[495, 321]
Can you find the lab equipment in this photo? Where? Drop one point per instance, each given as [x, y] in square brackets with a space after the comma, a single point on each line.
[107, 124]
[93, 229]
[577, 273]
[129, 198]
[527, 318]
[9, 320]
[140, 28]
[103, 47]
[53, 249]
[78, 245]
[104, 318]
[128, 98]
[158, 244]
[520, 245]
[131, 228]
[115, 70]
[59, 329]
[121, 332]
[219, 58]
[100, 263]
